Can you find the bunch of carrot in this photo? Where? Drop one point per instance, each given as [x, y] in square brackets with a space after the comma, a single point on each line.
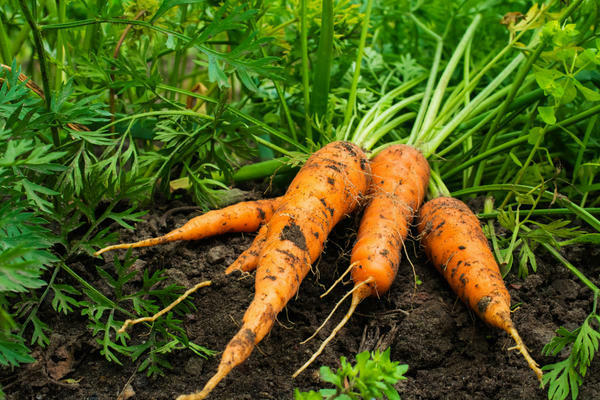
[292, 231]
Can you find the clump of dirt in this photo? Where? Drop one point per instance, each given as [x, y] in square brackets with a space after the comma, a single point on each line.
[450, 352]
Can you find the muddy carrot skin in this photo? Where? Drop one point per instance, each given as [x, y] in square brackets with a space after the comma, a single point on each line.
[327, 187]
[456, 245]
[400, 175]
[398, 187]
[246, 216]
[248, 260]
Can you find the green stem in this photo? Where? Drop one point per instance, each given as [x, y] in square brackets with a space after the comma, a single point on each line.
[381, 132]
[4, 45]
[364, 135]
[189, 113]
[440, 89]
[437, 187]
[583, 147]
[516, 85]
[39, 47]
[570, 10]
[381, 103]
[582, 213]
[60, 48]
[438, 137]
[39, 302]
[430, 81]
[322, 75]
[305, 68]
[521, 172]
[361, 47]
[570, 266]
[258, 170]
[542, 212]
[518, 104]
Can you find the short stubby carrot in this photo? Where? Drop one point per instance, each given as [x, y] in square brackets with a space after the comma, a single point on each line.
[246, 216]
[400, 175]
[457, 247]
[325, 189]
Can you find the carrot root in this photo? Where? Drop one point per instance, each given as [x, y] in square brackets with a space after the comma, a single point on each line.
[512, 331]
[328, 187]
[338, 280]
[248, 260]
[141, 243]
[246, 216]
[130, 322]
[357, 296]
[210, 385]
[331, 313]
[457, 247]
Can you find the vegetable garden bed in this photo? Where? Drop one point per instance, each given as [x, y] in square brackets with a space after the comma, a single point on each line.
[451, 354]
[120, 120]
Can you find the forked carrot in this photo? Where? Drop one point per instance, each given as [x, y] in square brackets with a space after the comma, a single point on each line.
[246, 216]
[327, 187]
[398, 187]
[248, 260]
[456, 245]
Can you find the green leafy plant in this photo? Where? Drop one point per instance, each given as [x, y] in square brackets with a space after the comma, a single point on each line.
[373, 376]
[566, 376]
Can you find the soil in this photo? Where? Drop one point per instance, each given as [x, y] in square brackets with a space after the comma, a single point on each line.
[451, 354]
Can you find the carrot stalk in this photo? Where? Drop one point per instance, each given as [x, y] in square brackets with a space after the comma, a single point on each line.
[457, 247]
[131, 322]
[241, 217]
[398, 187]
[327, 187]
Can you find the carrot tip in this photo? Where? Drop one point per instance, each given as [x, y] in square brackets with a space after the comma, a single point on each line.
[114, 247]
[210, 385]
[165, 310]
[357, 296]
[523, 350]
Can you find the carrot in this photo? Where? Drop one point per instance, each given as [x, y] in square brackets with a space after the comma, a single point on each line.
[457, 247]
[248, 260]
[327, 187]
[241, 217]
[398, 187]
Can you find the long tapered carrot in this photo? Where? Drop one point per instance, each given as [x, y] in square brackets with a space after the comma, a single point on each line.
[327, 187]
[457, 247]
[241, 217]
[398, 187]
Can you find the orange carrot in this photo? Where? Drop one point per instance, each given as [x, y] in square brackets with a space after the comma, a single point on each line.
[241, 217]
[398, 187]
[456, 245]
[327, 187]
[248, 260]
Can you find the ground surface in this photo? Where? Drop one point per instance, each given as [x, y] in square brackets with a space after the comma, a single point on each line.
[451, 354]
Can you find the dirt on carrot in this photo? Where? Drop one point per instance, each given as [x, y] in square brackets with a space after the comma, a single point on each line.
[454, 242]
[328, 187]
[400, 175]
[241, 217]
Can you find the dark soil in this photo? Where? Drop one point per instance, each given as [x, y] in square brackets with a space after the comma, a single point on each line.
[450, 352]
